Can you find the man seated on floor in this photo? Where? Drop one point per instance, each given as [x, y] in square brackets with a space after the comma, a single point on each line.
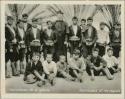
[77, 66]
[62, 68]
[34, 70]
[50, 69]
[112, 61]
[97, 65]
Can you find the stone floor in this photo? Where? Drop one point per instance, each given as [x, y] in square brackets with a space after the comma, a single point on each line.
[100, 85]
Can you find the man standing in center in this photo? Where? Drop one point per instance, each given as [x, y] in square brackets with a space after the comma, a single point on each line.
[75, 35]
[89, 37]
[61, 29]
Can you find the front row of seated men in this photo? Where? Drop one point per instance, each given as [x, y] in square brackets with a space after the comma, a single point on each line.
[73, 70]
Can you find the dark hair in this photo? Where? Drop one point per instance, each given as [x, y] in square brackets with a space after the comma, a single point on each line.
[48, 21]
[25, 15]
[95, 49]
[89, 18]
[36, 54]
[34, 20]
[19, 21]
[49, 54]
[102, 23]
[76, 51]
[62, 56]
[9, 17]
[74, 18]
[83, 20]
[110, 49]
[59, 12]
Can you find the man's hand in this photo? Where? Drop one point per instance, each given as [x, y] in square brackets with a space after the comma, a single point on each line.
[66, 43]
[11, 50]
[14, 40]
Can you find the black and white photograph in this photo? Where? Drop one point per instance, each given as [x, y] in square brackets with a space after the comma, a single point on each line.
[70, 48]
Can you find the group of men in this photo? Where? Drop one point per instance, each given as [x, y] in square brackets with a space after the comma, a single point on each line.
[41, 54]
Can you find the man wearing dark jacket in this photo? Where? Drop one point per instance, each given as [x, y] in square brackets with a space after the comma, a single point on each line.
[34, 37]
[74, 35]
[97, 65]
[89, 37]
[49, 39]
[21, 39]
[61, 29]
[11, 48]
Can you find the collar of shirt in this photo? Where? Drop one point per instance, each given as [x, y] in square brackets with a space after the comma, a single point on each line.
[25, 26]
[21, 32]
[75, 29]
[49, 31]
[103, 36]
[34, 32]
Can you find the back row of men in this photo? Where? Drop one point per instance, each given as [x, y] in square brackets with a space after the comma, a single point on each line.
[57, 38]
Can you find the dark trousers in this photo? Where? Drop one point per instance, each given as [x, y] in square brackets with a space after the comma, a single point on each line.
[12, 54]
[111, 70]
[48, 49]
[101, 49]
[22, 53]
[96, 73]
[60, 50]
[86, 50]
[74, 45]
[116, 50]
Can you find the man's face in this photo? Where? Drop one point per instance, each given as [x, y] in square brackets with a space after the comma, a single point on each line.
[89, 22]
[62, 59]
[76, 56]
[49, 24]
[60, 16]
[49, 58]
[83, 22]
[75, 21]
[10, 21]
[102, 27]
[34, 24]
[21, 25]
[110, 53]
[95, 53]
[25, 19]
[35, 58]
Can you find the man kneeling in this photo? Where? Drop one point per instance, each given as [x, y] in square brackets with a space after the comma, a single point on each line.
[50, 69]
[97, 65]
[34, 70]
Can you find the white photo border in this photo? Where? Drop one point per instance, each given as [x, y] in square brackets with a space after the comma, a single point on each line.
[59, 96]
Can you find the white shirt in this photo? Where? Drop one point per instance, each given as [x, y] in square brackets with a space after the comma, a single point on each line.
[25, 26]
[34, 32]
[49, 67]
[12, 30]
[111, 61]
[21, 32]
[103, 37]
[119, 61]
[49, 31]
[75, 29]
[89, 31]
